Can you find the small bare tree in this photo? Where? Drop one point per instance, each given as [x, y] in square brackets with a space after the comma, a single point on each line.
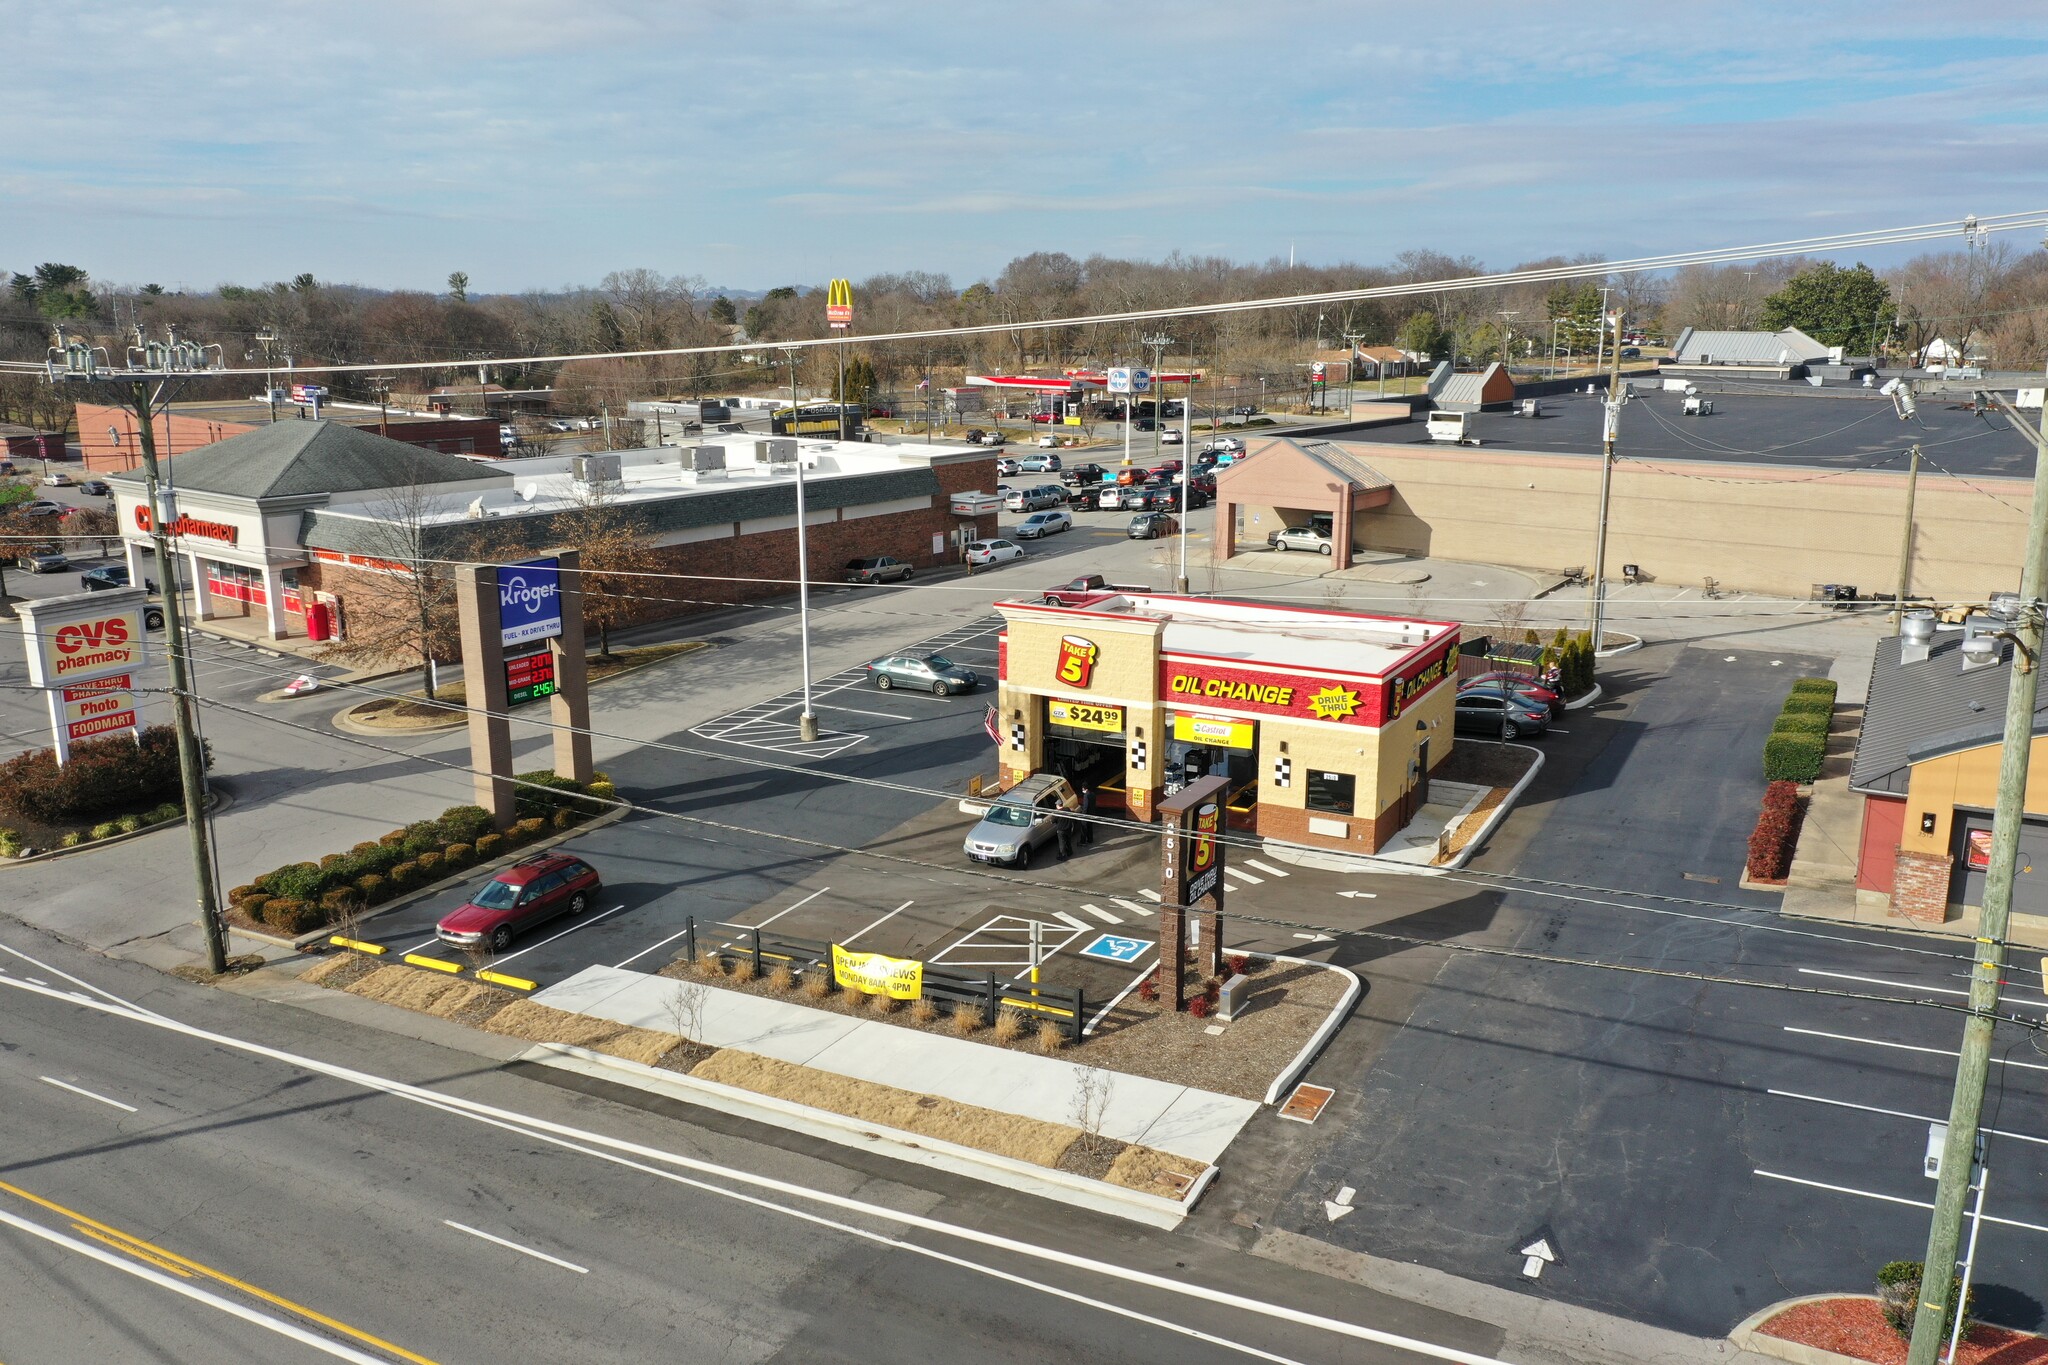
[617, 557]
[1089, 1106]
[685, 1007]
[1510, 617]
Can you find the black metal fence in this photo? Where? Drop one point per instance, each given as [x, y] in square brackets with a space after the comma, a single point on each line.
[766, 950]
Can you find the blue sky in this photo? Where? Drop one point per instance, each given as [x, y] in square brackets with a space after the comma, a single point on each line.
[539, 144]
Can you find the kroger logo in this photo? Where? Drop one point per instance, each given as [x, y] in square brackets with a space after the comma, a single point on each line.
[527, 597]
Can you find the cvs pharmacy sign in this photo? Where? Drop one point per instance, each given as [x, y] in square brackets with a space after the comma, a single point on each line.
[91, 648]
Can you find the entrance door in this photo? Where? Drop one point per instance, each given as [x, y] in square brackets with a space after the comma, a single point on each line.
[1422, 774]
[1972, 851]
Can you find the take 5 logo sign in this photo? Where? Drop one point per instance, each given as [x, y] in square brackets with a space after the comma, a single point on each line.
[1204, 854]
[530, 600]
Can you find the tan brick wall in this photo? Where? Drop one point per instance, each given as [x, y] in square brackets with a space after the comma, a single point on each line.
[1920, 885]
[1775, 530]
[1969, 778]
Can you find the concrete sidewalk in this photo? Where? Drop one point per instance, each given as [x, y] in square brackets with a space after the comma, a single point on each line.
[1179, 1119]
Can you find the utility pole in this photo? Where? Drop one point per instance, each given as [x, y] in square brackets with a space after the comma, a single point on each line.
[1158, 341]
[1609, 427]
[1906, 539]
[1973, 1061]
[807, 723]
[1600, 360]
[1351, 340]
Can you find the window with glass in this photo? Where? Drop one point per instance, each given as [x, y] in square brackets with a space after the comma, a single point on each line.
[1336, 793]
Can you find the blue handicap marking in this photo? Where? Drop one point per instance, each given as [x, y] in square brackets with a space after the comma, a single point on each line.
[1114, 948]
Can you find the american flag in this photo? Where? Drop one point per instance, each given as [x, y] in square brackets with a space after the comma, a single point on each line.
[924, 384]
[989, 722]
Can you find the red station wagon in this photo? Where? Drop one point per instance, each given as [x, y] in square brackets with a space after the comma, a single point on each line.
[530, 892]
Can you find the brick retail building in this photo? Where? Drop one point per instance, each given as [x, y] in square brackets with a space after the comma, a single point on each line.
[280, 520]
[109, 440]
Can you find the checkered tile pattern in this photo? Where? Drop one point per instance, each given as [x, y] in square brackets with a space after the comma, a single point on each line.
[1137, 755]
[1017, 737]
[1283, 772]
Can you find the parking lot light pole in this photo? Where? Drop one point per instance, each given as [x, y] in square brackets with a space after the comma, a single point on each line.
[807, 722]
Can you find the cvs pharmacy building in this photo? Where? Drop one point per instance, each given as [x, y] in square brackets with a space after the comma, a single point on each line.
[1327, 724]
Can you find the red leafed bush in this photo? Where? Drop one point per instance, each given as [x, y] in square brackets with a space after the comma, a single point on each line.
[1148, 989]
[107, 775]
[1199, 1006]
[1777, 828]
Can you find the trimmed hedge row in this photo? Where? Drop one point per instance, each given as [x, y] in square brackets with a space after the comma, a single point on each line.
[1799, 738]
[301, 897]
[111, 775]
[1777, 827]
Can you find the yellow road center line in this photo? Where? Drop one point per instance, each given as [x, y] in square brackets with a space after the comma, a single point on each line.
[119, 1244]
[106, 1233]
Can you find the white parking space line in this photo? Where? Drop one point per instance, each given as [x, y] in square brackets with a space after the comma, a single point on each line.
[1266, 868]
[1103, 914]
[880, 922]
[1907, 1047]
[1915, 986]
[514, 1246]
[1896, 1114]
[1073, 921]
[80, 1090]
[1887, 1198]
[857, 711]
[619, 966]
[787, 908]
[580, 924]
[1005, 941]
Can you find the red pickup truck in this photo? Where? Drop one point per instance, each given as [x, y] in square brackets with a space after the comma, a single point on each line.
[1087, 585]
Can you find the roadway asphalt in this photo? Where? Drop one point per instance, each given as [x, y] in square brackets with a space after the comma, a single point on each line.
[145, 1167]
[1673, 1138]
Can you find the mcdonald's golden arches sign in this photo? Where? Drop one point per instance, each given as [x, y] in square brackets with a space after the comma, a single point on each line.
[839, 304]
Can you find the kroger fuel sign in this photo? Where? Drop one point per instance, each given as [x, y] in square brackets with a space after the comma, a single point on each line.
[530, 600]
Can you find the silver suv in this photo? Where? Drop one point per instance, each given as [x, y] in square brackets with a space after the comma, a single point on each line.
[1300, 538]
[1020, 821]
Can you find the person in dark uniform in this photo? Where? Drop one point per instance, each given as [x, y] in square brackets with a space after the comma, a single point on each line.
[1087, 831]
[1063, 832]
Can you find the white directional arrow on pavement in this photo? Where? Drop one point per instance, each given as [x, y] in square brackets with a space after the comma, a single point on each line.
[1536, 1255]
[1360, 895]
[1336, 1210]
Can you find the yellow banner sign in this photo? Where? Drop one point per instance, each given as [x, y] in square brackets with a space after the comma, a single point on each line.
[1231, 734]
[874, 974]
[1083, 715]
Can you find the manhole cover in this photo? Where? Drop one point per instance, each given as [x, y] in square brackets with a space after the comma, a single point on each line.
[927, 1101]
[1305, 1105]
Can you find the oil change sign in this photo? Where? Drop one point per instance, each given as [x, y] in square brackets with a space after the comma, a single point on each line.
[1083, 715]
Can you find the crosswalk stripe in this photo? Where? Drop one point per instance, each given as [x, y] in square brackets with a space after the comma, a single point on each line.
[1242, 875]
[1148, 893]
[1266, 868]
[1102, 914]
[1131, 906]
[1070, 921]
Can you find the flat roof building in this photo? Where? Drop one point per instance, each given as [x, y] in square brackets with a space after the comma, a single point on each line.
[1327, 724]
[110, 441]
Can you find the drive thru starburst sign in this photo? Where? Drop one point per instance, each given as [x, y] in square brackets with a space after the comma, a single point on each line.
[1333, 703]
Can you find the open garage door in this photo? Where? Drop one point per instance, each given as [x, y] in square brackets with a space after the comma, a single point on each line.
[1972, 852]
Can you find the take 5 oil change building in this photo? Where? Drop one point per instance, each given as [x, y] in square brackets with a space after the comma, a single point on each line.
[1327, 724]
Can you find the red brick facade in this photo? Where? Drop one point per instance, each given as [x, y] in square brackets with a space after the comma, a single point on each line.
[1920, 885]
[178, 432]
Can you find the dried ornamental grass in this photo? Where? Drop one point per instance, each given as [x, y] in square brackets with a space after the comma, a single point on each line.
[711, 963]
[819, 984]
[642, 1045]
[1010, 1026]
[743, 970]
[883, 1003]
[923, 1011]
[544, 1024]
[967, 1019]
[782, 978]
[1052, 1035]
[1154, 1171]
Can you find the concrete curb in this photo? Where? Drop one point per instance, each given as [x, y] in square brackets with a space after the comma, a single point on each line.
[1583, 702]
[1079, 1191]
[1496, 815]
[1748, 1338]
[1292, 1072]
[342, 720]
[221, 799]
[1634, 642]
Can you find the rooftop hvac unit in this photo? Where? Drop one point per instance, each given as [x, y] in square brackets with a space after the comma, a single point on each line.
[1916, 636]
[1696, 406]
[1529, 407]
[703, 459]
[1451, 428]
[596, 468]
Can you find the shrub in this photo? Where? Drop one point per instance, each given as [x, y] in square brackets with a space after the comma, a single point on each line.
[464, 824]
[1793, 756]
[405, 876]
[782, 978]
[966, 1019]
[923, 1011]
[743, 969]
[1240, 964]
[526, 831]
[393, 839]
[883, 1003]
[818, 983]
[289, 916]
[543, 792]
[1009, 1026]
[604, 791]
[371, 888]
[711, 962]
[1770, 843]
[252, 905]
[1052, 1036]
[114, 773]
[1198, 1006]
[300, 881]
[1807, 704]
[1148, 989]
[1898, 1297]
[130, 823]
[566, 818]
[169, 810]
[106, 829]
[340, 901]
[332, 861]
[457, 856]
[489, 846]
[1814, 687]
[430, 865]
[366, 846]
[1801, 723]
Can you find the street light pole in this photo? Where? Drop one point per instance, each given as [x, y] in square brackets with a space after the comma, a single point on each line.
[1609, 428]
[807, 722]
[1158, 341]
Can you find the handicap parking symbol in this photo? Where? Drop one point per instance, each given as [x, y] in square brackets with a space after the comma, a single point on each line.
[1113, 948]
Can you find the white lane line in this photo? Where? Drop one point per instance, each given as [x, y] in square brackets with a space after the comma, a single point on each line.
[514, 1246]
[1896, 1114]
[1132, 906]
[1071, 921]
[616, 966]
[786, 909]
[1148, 893]
[580, 924]
[1103, 914]
[1114, 1001]
[77, 1090]
[880, 922]
[1266, 868]
[36, 981]
[1907, 1047]
[190, 1291]
[1887, 1198]
[855, 710]
[754, 1189]
[1915, 986]
[1242, 875]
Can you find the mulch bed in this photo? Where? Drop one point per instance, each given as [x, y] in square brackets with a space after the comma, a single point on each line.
[1853, 1326]
[1481, 764]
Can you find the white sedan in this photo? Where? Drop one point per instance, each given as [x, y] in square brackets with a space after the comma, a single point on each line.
[982, 553]
[1171, 436]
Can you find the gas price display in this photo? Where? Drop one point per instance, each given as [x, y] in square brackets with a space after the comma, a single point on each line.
[529, 677]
